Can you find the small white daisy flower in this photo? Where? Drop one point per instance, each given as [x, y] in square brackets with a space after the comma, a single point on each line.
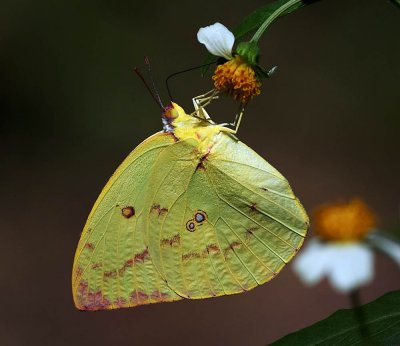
[347, 266]
[342, 252]
[236, 77]
[217, 39]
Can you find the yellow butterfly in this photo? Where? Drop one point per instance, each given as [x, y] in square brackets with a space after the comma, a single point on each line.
[192, 212]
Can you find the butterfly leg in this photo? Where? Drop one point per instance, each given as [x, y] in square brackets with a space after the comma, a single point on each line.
[202, 101]
[236, 123]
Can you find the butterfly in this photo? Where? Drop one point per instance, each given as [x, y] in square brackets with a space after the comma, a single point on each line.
[191, 213]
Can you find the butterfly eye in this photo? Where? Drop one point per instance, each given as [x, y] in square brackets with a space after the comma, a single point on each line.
[200, 216]
[190, 226]
[128, 212]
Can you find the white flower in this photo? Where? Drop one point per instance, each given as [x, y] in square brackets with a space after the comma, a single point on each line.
[346, 265]
[342, 252]
[217, 39]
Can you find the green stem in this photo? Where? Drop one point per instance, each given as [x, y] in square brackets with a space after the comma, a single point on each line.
[359, 313]
[272, 17]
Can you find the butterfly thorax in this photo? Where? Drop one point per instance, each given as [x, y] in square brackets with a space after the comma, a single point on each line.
[189, 128]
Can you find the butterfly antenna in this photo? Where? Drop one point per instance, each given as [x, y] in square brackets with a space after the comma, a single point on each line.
[183, 71]
[155, 91]
[155, 98]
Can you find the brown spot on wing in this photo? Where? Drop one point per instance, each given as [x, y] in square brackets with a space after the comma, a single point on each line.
[120, 302]
[209, 249]
[190, 226]
[213, 248]
[202, 159]
[139, 297]
[78, 272]
[87, 299]
[200, 216]
[138, 258]
[157, 208]
[128, 212]
[231, 247]
[176, 239]
[159, 296]
[89, 246]
[96, 265]
[82, 287]
[190, 255]
[250, 232]
[128, 263]
[253, 206]
[110, 274]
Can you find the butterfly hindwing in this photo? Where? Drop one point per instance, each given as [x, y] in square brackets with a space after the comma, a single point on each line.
[220, 223]
[113, 266]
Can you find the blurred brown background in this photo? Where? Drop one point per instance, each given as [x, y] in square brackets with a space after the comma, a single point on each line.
[72, 109]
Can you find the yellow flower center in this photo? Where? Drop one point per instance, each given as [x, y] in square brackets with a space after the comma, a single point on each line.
[237, 79]
[344, 221]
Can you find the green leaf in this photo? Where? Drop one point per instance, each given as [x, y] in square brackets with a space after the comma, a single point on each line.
[396, 2]
[249, 51]
[254, 20]
[382, 321]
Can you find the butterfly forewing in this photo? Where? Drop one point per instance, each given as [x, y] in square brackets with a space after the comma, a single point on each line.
[113, 266]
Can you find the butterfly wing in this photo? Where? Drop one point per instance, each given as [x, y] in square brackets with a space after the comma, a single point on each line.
[112, 266]
[221, 222]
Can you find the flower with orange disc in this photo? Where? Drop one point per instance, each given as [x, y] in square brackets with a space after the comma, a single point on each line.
[342, 249]
[239, 75]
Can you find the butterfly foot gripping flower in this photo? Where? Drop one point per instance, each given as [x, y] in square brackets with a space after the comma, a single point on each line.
[239, 75]
[342, 249]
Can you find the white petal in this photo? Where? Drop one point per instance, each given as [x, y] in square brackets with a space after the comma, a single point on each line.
[351, 266]
[217, 39]
[311, 263]
[383, 242]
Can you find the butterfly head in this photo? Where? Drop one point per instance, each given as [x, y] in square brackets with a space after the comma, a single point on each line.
[169, 115]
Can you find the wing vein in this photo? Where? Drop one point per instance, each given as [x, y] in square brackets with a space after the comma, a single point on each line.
[258, 168]
[237, 255]
[271, 201]
[249, 248]
[240, 212]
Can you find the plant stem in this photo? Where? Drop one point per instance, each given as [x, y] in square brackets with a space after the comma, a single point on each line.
[272, 17]
[359, 312]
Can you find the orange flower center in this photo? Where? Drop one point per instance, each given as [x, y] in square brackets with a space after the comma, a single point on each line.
[237, 79]
[344, 221]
